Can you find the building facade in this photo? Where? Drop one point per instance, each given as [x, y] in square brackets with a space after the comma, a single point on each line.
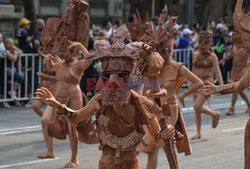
[188, 11]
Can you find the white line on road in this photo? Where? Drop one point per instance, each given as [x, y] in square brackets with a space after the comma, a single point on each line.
[21, 131]
[27, 162]
[234, 129]
[20, 128]
[39, 128]
[213, 106]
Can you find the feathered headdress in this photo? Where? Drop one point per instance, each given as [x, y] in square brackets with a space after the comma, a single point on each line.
[117, 56]
[161, 38]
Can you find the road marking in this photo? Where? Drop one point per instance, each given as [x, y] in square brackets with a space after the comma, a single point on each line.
[234, 129]
[20, 130]
[39, 128]
[213, 106]
[28, 162]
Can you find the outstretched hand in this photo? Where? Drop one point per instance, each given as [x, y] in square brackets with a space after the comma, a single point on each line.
[46, 96]
[209, 89]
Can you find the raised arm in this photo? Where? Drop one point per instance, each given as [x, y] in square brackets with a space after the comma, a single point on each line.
[196, 83]
[217, 69]
[18, 51]
[12, 57]
[51, 65]
[82, 65]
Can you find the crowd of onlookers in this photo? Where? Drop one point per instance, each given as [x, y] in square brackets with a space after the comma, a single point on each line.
[187, 37]
[10, 50]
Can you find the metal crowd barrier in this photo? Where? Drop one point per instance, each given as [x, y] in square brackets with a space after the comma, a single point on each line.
[29, 64]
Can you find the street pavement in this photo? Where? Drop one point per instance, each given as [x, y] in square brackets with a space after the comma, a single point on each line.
[21, 140]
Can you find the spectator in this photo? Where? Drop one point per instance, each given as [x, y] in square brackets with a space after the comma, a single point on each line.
[40, 25]
[12, 54]
[2, 70]
[128, 39]
[108, 28]
[212, 27]
[101, 35]
[219, 51]
[25, 44]
[229, 63]
[116, 25]
[25, 41]
[185, 43]
[92, 30]
[195, 36]
[155, 21]
[2, 47]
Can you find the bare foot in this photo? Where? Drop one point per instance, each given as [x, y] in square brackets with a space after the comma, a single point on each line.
[230, 111]
[196, 137]
[216, 119]
[248, 110]
[46, 155]
[71, 164]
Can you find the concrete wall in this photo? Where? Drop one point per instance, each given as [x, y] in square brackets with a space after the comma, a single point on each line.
[9, 19]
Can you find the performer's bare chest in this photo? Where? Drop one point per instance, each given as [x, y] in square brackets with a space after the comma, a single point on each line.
[125, 112]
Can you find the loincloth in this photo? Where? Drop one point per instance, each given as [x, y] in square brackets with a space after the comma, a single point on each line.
[247, 145]
[238, 72]
[183, 145]
[58, 127]
[131, 164]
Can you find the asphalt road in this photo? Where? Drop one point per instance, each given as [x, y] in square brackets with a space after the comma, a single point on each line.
[21, 140]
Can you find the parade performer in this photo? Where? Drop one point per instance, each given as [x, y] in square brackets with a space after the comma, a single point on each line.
[241, 21]
[62, 77]
[73, 26]
[67, 91]
[120, 112]
[240, 54]
[203, 62]
[173, 75]
[238, 86]
[48, 78]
